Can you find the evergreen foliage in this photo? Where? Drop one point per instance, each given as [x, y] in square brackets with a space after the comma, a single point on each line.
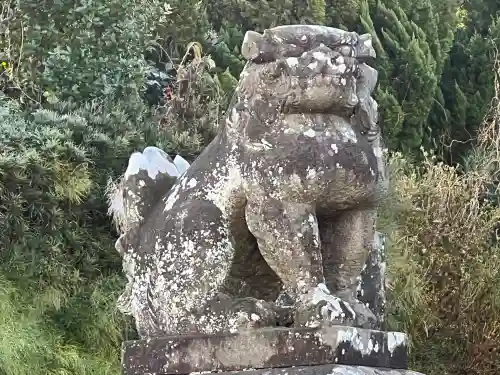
[411, 54]
[60, 275]
[64, 50]
[444, 257]
[468, 86]
[59, 272]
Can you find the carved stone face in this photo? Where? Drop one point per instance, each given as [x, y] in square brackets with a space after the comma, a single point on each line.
[321, 80]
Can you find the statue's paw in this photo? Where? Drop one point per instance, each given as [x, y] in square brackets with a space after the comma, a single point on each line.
[326, 308]
[364, 317]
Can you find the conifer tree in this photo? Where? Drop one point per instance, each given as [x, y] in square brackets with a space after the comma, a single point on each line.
[317, 11]
[411, 56]
[468, 86]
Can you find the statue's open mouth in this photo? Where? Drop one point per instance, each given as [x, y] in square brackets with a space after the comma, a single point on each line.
[303, 90]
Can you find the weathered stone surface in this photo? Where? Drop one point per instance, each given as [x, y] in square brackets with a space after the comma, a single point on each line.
[265, 348]
[371, 289]
[324, 370]
[273, 223]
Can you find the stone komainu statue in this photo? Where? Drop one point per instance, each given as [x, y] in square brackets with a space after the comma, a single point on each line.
[273, 222]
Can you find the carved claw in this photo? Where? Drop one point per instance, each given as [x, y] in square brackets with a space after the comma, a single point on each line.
[331, 309]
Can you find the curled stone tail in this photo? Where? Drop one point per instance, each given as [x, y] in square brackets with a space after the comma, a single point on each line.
[148, 177]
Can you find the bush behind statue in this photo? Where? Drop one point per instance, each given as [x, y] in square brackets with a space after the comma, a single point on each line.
[445, 259]
[64, 50]
[59, 274]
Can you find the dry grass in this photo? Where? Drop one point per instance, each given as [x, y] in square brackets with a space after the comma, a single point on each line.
[191, 118]
[444, 257]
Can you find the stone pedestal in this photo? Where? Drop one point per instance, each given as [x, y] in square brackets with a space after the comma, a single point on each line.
[273, 351]
[326, 370]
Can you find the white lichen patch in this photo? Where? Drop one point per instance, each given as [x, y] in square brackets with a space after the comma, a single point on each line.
[377, 151]
[394, 340]
[292, 61]
[359, 289]
[346, 132]
[227, 181]
[340, 68]
[320, 56]
[172, 197]
[310, 133]
[192, 183]
[359, 340]
[266, 143]
[254, 317]
[313, 65]
[311, 174]
[257, 146]
[235, 116]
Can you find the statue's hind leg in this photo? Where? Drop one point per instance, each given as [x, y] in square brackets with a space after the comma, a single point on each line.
[289, 239]
[185, 257]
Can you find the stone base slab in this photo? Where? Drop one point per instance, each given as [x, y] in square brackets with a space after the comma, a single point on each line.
[324, 370]
[265, 349]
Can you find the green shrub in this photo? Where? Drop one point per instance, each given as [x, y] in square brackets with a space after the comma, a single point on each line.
[66, 50]
[191, 119]
[59, 273]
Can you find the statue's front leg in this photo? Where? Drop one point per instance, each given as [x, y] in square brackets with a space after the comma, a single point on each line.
[346, 244]
[288, 238]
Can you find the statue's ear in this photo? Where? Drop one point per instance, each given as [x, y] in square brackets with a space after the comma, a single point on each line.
[365, 50]
[251, 47]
